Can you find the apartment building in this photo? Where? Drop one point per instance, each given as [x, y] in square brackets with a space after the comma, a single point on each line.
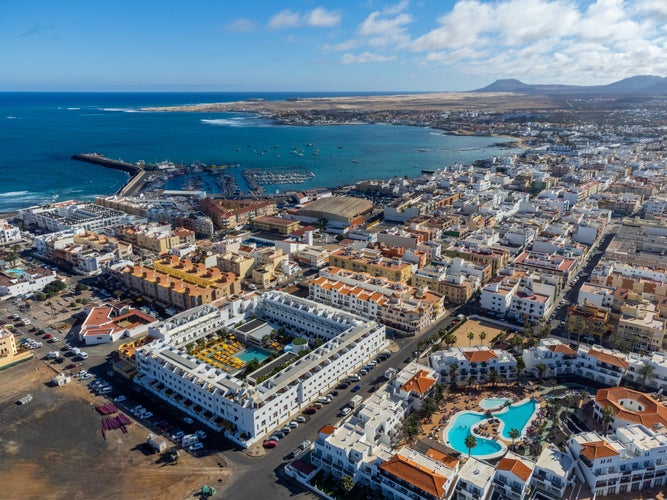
[394, 304]
[630, 407]
[246, 412]
[563, 267]
[558, 358]
[485, 256]
[472, 364]
[641, 327]
[587, 322]
[371, 262]
[9, 233]
[25, 281]
[230, 214]
[513, 477]
[600, 364]
[73, 215]
[454, 288]
[631, 459]
[553, 474]
[599, 296]
[474, 480]
[517, 295]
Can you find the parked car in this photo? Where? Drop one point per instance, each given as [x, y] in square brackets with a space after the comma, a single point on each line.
[294, 424]
[270, 443]
[300, 419]
[356, 388]
[201, 434]
[188, 420]
[346, 410]
[310, 410]
[70, 366]
[196, 446]
[120, 398]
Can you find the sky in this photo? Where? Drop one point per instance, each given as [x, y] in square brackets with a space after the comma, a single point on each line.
[303, 45]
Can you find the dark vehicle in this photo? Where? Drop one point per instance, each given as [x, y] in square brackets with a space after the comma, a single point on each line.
[344, 385]
[356, 388]
[70, 366]
[310, 410]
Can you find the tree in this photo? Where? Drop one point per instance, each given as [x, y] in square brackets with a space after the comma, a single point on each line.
[346, 483]
[13, 256]
[429, 407]
[608, 415]
[470, 442]
[514, 435]
[482, 336]
[515, 342]
[453, 369]
[470, 337]
[411, 428]
[520, 366]
[493, 376]
[450, 339]
[647, 370]
[541, 369]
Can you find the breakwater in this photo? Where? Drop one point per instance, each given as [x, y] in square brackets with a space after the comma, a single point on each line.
[137, 172]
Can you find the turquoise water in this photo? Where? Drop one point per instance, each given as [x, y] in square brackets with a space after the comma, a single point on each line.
[251, 353]
[39, 132]
[493, 403]
[17, 272]
[516, 416]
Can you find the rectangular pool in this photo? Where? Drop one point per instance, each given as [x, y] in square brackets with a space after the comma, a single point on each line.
[250, 353]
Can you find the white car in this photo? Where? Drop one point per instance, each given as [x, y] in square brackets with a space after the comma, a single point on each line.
[196, 446]
[120, 398]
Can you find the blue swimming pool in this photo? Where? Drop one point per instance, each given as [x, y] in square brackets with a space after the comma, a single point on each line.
[250, 353]
[515, 416]
[493, 403]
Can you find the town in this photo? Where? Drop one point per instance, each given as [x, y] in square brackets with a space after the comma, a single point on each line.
[492, 330]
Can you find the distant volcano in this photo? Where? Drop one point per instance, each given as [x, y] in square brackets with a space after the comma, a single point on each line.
[644, 85]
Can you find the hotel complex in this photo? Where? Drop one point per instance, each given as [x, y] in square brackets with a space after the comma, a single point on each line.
[227, 401]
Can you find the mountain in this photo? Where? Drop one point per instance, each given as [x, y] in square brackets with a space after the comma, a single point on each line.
[645, 85]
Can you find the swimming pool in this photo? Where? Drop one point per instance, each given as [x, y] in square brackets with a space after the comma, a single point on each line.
[250, 353]
[515, 416]
[493, 403]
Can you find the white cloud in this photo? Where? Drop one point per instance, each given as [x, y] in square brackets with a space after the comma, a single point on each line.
[285, 19]
[392, 10]
[383, 31]
[241, 26]
[346, 45]
[322, 18]
[365, 57]
[316, 18]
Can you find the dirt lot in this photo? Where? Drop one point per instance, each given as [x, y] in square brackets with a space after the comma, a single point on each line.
[476, 327]
[53, 447]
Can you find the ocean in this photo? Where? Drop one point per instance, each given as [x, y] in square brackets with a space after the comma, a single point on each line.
[39, 132]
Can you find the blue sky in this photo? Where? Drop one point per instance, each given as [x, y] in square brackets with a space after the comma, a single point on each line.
[411, 45]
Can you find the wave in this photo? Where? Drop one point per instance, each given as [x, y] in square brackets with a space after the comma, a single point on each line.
[240, 121]
[73, 109]
[10, 117]
[14, 194]
[121, 110]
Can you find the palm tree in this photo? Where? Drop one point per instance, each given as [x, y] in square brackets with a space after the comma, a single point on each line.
[411, 428]
[470, 337]
[608, 415]
[646, 371]
[13, 256]
[453, 369]
[450, 339]
[482, 336]
[514, 435]
[470, 442]
[520, 366]
[541, 369]
[493, 376]
[346, 483]
[429, 407]
[516, 342]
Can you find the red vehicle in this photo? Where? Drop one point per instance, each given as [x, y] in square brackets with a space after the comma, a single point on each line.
[70, 366]
[47, 336]
[270, 443]
[310, 410]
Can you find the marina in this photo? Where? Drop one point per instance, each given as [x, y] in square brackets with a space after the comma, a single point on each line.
[257, 178]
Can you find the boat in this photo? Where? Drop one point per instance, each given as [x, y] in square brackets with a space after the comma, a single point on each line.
[425, 171]
[340, 147]
[355, 161]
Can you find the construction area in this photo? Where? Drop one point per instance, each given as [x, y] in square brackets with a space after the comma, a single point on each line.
[52, 446]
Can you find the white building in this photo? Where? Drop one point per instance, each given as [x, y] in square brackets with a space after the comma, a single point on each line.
[73, 215]
[558, 358]
[599, 296]
[222, 400]
[25, 281]
[473, 363]
[474, 481]
[600, 364]
[632, 459]
[512, 478]
[9, 233]
[554, 472]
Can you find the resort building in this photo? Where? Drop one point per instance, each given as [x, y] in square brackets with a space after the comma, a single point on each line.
[631, 407]
[230, 214]
[218, 396]
[558, 358]
[15, 282]
[371, 262]
[473, 364]
[658, 363]
[474, 480]
[553, 474]
[106, 324]
[634, 458]
[600, 364]
[408, 474]
[513, 476]
[73, 215]
[394, 304]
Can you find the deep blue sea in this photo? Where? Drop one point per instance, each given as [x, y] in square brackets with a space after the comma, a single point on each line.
[39, 132]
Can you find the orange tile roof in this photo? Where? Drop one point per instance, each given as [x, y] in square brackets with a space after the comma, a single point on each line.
[653, 413]
[516, 467]
[327, 429]
[480, 356]
[565, 349]
[610, 359]
[415, 474]
[448, 460]
[597, 449]
[420, 382]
